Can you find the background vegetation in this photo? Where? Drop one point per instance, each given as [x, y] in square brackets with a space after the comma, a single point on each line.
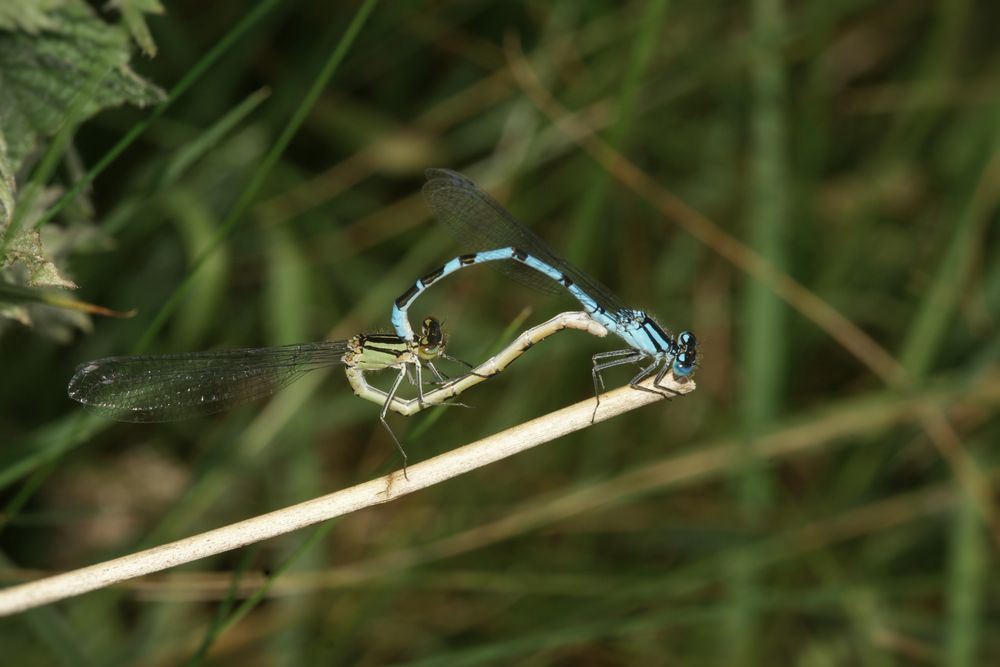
[823, 498]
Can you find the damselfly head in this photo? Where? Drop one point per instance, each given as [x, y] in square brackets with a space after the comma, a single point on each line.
[687, 340]
[430, 345]
[686, 357]
[684, 364]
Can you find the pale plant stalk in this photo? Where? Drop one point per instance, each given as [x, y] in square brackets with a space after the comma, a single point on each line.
[377, 491]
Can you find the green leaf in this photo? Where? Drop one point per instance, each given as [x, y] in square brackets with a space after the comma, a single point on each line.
[59, 63]
[15, 312]
[42, 73]
[29, 251]
[27, 258]
[8, 189]
[132, 13]
[31, 16]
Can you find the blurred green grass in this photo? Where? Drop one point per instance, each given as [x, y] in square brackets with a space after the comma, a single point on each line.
[851, 143]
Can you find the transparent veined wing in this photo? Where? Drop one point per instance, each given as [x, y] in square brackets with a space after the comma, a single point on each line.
[168, 387]
[478, 222]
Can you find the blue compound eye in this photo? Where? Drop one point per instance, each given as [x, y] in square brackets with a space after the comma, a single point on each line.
[687, 340]
[684, 364]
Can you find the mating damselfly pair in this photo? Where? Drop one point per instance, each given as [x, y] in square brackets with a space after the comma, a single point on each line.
[166, 387]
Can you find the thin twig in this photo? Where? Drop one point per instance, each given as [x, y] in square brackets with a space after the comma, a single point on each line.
[377, 491]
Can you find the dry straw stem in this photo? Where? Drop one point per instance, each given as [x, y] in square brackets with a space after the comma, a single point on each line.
[843, 424]
[377, 491]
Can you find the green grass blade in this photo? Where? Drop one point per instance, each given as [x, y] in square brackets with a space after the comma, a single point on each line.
[968, 580]
[764, 314]
[196, 72]
[587, 228]
[262, 171]
[936, 317]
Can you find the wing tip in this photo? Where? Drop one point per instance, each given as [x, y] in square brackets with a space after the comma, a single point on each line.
[441, 176]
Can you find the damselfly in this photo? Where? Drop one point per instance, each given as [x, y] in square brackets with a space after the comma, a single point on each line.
[169, 387]
[484, 227]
